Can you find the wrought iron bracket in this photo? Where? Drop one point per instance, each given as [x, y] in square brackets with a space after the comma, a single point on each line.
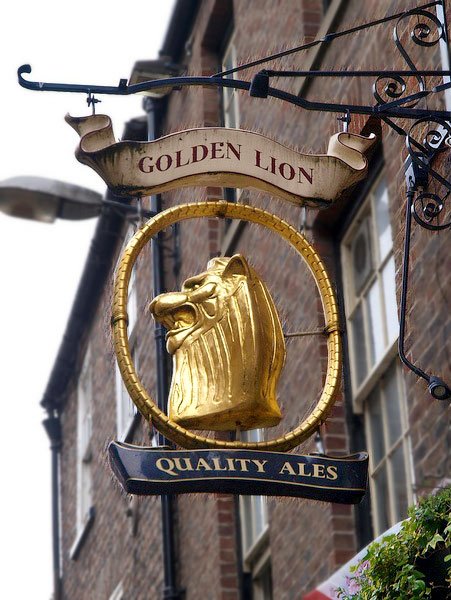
[436, 387]
[397, 94]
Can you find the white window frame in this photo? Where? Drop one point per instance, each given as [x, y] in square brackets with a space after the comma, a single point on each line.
[371, 388]
[126, 410]
[253, 509]
[391, 446]
[118, 592]
[363, 388]
[230, 95]
[230, 104]
[260, 569]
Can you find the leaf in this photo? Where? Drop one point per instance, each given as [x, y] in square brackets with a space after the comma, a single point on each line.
[434, 541]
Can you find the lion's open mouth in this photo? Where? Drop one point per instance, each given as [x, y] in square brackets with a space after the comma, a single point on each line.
[179, 319]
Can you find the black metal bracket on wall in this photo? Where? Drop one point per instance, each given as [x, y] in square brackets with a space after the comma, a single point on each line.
[429, 132]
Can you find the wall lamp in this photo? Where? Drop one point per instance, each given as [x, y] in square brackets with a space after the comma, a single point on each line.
[43, 199]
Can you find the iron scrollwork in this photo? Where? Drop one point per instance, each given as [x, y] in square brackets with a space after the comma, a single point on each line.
[428, 207]
[425, 139]
[425, 33]
[396, 97]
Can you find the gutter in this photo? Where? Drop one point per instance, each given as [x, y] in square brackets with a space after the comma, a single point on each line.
[170, 591]
[182, 19]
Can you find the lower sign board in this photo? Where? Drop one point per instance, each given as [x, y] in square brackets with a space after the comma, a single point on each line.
[153, 471]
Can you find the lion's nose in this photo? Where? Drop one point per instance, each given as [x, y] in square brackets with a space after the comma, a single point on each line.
[166, 302]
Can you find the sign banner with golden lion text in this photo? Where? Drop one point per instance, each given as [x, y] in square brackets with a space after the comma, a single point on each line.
[217, 156]
[154, 471]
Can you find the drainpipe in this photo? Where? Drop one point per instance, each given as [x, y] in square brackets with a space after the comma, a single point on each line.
[52, 426]
[170, 591]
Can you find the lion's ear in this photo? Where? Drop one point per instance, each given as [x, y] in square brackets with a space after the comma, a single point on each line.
[237, 265]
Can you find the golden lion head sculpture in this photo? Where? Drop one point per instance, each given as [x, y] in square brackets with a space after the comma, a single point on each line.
[225, 335]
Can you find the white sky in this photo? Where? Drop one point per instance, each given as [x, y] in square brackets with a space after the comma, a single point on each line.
[82, 42]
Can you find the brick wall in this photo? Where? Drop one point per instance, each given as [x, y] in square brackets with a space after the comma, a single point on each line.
[308, 540]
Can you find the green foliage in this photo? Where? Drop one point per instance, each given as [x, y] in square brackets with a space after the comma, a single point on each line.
[391, 568]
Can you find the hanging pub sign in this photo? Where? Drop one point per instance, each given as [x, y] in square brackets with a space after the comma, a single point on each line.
[222, 157]
[223, 328]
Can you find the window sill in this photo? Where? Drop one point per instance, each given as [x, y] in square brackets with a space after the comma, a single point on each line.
[82, 535]
[259, 547]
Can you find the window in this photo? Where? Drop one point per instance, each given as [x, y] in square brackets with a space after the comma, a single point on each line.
[370, 293]
[377, 385]
[254, 535]
[262, 580]
[84, 450]
[254, 514]
[125, 408]
[230, 104]
[388, 442]
[230, 98]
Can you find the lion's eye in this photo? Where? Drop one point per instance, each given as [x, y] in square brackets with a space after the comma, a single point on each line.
[192, 284]
[202, 292]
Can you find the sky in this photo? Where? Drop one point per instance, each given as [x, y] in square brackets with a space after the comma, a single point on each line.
[82, 42]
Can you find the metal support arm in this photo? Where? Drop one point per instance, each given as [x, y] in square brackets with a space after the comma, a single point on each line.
[397, 94]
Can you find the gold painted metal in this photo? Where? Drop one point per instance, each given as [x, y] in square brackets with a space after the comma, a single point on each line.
[140, 396]
[228, 348]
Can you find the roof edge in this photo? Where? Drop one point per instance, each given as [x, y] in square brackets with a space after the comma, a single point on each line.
[180, 24]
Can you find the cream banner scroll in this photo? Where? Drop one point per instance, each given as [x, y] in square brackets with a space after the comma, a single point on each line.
[217, 156]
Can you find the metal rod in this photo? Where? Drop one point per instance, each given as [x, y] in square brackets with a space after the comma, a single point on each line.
[327, 38]
[404, 288]
[127, 208]
[304, 333]
[56, 525]
[52, 426]
[371, 73]
[123, 89]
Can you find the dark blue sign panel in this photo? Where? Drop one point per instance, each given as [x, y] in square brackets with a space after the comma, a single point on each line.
[149, 471]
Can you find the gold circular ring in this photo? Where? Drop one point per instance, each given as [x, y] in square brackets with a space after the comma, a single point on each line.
[140, 396]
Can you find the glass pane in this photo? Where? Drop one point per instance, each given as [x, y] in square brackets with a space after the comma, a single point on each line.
[259, 515]
[246, 521]
[392, 405]
[376, 428]
[382, 501]
[391, 311]
[230, 118]
[399, 482]
[229, 60]
[383, 220]
[264, 585]
[358, 344]
[362, 261]
[377, 344]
